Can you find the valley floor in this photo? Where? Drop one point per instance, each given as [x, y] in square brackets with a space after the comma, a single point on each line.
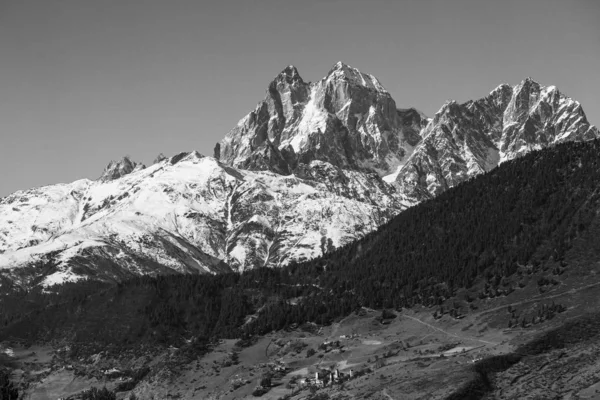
[411, 357]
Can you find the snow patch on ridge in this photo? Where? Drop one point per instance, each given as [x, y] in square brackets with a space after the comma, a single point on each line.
[60, 277]
[344, 71]
[313, 119]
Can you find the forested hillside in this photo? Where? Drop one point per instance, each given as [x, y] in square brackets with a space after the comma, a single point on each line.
[477, 236]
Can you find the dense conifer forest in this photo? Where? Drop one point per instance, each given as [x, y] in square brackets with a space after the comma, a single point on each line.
[475, 236]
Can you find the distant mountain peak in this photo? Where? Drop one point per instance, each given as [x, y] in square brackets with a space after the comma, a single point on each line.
[160, 157]
[116, 169]
[341, 66]
[529, 80]
[291, 70]
[347, 119]
[345, 72]
[450, 106]
[501, 88]
[467, 139]
[528, 86]
[289, 75]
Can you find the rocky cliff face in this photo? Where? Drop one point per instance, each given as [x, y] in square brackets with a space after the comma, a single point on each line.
[346, 119]
[463, 140]
[314, 166]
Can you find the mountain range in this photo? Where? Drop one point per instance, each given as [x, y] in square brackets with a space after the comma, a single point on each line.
[313, 167]
[488, 290]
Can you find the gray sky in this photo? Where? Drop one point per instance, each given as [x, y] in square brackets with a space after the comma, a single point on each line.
[86, 81]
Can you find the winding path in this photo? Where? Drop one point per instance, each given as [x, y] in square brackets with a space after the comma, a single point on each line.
[541, 297]
[447, 333]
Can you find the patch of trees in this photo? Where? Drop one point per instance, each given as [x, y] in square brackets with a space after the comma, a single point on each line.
[482, 383]
[544, 312]
[98, 394]
[133, 378]
[575, 331]
[8, 390]
[386, 316]
[264, 385]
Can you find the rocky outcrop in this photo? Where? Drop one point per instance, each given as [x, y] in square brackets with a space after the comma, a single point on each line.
[117, 169]
[159, 158]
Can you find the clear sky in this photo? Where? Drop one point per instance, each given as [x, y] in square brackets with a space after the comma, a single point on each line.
[86, 81]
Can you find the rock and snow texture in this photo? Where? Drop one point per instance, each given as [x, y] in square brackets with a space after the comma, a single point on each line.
[188, 213]
[117, 169]
[346, 119]
[314, 166]
[464, 140]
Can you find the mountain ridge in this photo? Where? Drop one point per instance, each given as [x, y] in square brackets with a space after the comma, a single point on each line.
[313, 167]
[475, 136]
[187, 213]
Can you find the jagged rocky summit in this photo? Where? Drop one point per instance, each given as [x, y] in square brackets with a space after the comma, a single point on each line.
[116, 169]
[463, 140]
[350, 121]
[312, 167]
[346, 119]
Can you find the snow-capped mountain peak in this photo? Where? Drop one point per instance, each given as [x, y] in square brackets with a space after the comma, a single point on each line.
[350, 74]
[464, 140]
[501, 88]
[347, 119]
[290, 74]
[159, 158]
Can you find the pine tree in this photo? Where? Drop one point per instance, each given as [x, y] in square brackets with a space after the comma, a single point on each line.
[7, 389]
